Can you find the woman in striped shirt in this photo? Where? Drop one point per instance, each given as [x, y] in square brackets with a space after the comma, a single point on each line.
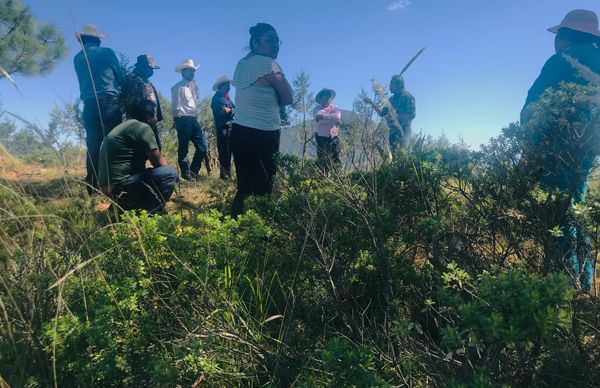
[261, 90]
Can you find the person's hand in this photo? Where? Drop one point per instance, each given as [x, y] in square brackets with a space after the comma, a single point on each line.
[152, 122]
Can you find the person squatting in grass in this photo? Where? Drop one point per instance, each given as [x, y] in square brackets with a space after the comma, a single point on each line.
[100, 78]
[123, 155]
[139, 88]
[327, 127]
[578, 37]
[223, 111]
[184, 106]
[261, 90]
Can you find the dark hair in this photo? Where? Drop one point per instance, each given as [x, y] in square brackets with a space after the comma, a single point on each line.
[577, 37]
[85, 39]
[257, 31]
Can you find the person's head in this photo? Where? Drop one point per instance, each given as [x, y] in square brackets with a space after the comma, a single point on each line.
[224, 88]
[579, 26]
[90, 35]
[222, 85]
[397, 84]
[264, 40]
[187, 69]
[188, 73]
[138, 109]
[145, 65]
[566, 37]
[87, 39]
[325, 96]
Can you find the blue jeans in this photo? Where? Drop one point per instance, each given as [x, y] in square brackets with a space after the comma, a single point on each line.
[147, 190]
[188, 129]
[97, 125]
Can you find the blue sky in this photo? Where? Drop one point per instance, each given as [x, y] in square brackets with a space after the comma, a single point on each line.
[481, 57]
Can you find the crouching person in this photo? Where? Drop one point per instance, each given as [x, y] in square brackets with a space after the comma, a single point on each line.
[123, 173]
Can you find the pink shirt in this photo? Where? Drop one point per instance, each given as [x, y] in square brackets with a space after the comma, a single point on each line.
[329, 124]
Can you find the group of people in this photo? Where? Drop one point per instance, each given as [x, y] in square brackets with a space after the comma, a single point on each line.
[249, 130]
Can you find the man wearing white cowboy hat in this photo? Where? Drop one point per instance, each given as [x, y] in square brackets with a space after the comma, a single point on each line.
[139, 89]
[577, 37]
[184, 106]
[222, 108]
[100, 78]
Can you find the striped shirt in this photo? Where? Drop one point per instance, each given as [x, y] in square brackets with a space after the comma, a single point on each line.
[257, 105]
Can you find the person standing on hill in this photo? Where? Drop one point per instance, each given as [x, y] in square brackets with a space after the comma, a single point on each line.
[184, 106]
[399, 112]
[327, 127]
[577, 37]
[261, 90]
[223, 110]
[123, 155]
[100, 77]
[139, 88]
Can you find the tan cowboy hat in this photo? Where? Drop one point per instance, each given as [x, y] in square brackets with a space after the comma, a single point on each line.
[221, 80]
[187, 64]
[90, 30]
[579, 20]
[323, 91]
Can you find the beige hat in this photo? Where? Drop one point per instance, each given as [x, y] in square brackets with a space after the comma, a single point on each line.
[90, 30]
[221, 80]
[187, 64]
[579, 20]
[323, 91]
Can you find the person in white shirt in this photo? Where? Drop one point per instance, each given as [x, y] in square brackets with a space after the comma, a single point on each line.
[184, 107]
[261, 91]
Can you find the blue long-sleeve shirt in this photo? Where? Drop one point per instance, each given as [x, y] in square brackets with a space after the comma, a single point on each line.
[107, 73]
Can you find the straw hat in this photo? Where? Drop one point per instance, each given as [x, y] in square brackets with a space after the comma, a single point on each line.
[579, 20]
[323, 91]
[90, 30]
[221, 80]
[187, 64]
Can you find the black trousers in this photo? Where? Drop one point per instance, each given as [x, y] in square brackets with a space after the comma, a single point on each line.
[328, 149]
[253, 154]
[97, 124]
[224, 149]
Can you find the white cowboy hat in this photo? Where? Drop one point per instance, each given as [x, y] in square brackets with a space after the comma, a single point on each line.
[221, 80]
[90, 30]
[579, 20]
[187, 64]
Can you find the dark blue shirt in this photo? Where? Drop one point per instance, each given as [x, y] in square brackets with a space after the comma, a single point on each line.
[107, 73]
[217, 104]
[557, 69]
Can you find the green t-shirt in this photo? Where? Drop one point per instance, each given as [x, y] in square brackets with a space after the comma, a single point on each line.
[124, 151]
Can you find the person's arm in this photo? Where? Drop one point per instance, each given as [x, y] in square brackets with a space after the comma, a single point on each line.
[157, 158]
[552, 73]
[117, 68]
[380, 112]
[282, 87]
[174, 100]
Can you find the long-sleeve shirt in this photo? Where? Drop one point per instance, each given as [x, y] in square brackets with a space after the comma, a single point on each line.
[107, 74]
[184, 99]
[328, 123]
[218, 104]
[141, 91]
[557, 69]
[401, 110]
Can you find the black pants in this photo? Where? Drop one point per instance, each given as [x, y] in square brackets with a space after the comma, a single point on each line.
[97, 124]
[224, 149]
[328, 149]
[253, 154]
